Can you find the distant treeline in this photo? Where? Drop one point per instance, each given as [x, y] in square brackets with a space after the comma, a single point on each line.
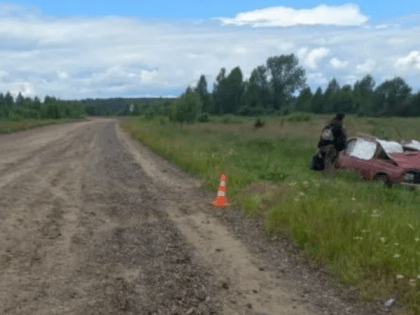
[26, 107]
[277, 87]
[271, 89]
[121, 106]
[53, 108]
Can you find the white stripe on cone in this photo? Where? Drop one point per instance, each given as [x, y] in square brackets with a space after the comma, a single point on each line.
[223, 183]
[221, 193]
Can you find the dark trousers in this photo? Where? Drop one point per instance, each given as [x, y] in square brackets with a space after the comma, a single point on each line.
[330, 156]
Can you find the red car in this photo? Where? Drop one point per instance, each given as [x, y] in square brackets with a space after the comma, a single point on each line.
[386, 161]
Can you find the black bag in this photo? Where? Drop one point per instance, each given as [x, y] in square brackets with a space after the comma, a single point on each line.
[317, 163]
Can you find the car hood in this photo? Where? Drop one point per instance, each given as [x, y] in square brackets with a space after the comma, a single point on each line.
[407, 160]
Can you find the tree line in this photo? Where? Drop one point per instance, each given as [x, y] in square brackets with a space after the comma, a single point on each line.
[26, 107]
[280, 86]
[121, 106]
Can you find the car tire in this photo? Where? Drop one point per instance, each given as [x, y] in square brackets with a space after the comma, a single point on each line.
[384, 180]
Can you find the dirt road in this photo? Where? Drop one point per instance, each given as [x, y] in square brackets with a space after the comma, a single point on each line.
[93, 223]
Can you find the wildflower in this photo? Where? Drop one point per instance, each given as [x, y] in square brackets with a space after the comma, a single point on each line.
[292, 184]
[296, 199]
[413, 282]
[383, 239]
[358, 238]
[396, 244]
[305, 183]
[416, 239]
[364, 231]
[418, 276]
[400, 276]
[301, 194]
[411, 226]
[353, 198]
[396, 255]
[375, 213]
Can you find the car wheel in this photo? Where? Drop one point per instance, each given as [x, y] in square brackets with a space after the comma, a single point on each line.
[384, 180]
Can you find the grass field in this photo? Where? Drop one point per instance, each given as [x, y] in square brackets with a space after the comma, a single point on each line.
[367, 234]
[7, 126]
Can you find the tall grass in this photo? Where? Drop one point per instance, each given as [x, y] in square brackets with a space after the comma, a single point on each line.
[368, 235]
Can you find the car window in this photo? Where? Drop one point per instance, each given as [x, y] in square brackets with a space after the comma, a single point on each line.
[350, 147]
[391, 147]
[364, 149]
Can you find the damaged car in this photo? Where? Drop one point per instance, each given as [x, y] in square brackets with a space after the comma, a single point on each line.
[379, 160]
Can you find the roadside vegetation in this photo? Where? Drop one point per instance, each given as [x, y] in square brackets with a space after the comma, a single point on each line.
[7, 126]
[25, 113]
[368, 235]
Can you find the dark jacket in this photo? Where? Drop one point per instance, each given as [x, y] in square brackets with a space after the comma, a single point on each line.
[339, 135]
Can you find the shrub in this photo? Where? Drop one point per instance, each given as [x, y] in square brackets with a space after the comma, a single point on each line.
[284, 111]
[227, 119]
[149, 115]
[186, 108]
[19, 113]
[259, 123]
[204, 117]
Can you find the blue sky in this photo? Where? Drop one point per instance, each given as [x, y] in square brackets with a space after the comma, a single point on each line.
[204, 9]
[103, 49]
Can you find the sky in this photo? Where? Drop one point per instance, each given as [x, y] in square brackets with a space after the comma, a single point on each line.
[102, 49]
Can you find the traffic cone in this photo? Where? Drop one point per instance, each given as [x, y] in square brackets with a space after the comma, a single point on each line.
[221, 200]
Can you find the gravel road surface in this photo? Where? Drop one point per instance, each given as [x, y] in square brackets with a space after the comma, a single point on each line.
[91, 222]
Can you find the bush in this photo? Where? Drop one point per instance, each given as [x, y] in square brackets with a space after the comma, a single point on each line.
[259, 123]
[186, 108]
[204, 117]
[227, 119]
[284, 111]
[299, 117]
[162, 121]
[149, 115]
[19, 113]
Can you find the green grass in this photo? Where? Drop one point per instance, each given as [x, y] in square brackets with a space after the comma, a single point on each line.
[368, 235]
[7, 126]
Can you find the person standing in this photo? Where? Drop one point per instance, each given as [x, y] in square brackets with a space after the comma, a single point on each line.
[333, 140]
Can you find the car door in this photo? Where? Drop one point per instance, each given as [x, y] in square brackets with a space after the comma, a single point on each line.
[358, 156]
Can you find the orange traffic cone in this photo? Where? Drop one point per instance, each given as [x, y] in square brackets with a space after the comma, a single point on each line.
[221, 200]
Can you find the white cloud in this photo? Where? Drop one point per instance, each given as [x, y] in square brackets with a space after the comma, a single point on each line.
[345, 15]
[367, 67]
[383, 26]
[110, 57]
[313, 57]
[411, 61]
[338, 64]
[62, 75]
